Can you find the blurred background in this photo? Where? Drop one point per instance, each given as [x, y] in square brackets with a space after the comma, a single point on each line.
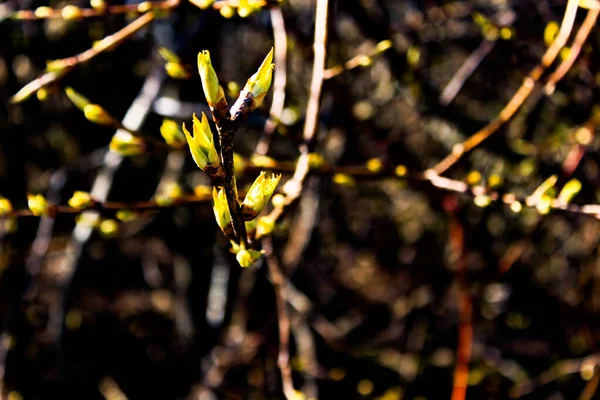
[391, 281]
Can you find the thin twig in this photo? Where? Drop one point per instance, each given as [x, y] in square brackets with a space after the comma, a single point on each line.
[293, 187]
[283, 321]
[591, 387]
[557, 371]
[465, 71]
[465, 312]
[357, 61]
[134, 118]
[518, 98]
[279, 81]
[66, 65]
[580, 38]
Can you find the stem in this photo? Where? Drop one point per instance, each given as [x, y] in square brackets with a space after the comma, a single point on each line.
[230, 185]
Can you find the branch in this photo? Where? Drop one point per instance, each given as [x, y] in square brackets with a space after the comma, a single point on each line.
[293, 188]
[518, 98]
[279, 81]
[465, 312]
[465, 71]
[580, 38]
[283, 320]
[66, 65]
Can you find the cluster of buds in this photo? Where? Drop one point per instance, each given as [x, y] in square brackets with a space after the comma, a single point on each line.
[202, 147]
[205, 155]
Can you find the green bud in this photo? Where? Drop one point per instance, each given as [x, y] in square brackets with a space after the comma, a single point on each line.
[170, 192]
[210, 83]
[176, 71]
[264, 226]
[37, 204]
[5, 206]
[78, 99]
[109, 228]
[71, 12]
[221, 210]
[569, 191]
[247, 257]
[126, 215]
[259, 194]
[81, 200]
[202, 147]
[98, 115]
[127, 145]
[172, 134]
[256, 88]
[260, 82]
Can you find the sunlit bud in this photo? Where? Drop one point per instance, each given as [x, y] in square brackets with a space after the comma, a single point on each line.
[247, 7]
[260, 82]
[127, 145]
[109, 228]
[221, 210]
[78, 99]
[42, 12]
[88, 219]
[344, 180]
[374, 165]
[98, 4]
[569, 191]
[170, 192]
[42, 94]
[401, 170]
[37, 204]
[263, 161]
[210, 83]
[278, 200]
[176, 71]
[202, 147]
[81, 200]
[96, 114]
[316, 161]
[5, 206]
[203, 191]
[203, 3]
[126, 215]
[264, 226]
[172, 134]
[227, 11]
[71, 12]
[247, 257]
[144, 7]
[259, 194]
[56, 66]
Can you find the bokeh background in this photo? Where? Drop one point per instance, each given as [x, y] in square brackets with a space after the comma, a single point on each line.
[375, 278]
